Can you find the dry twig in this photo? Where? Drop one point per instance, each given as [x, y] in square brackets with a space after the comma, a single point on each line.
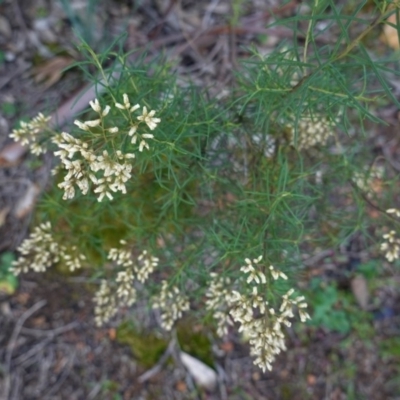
[13, 340]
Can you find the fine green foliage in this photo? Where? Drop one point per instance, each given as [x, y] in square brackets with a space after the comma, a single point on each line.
[147, 348]
[215, 196]
[8, 281]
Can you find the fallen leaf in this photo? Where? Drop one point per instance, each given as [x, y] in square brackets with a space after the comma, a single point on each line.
[60, 364]
[377, 186]
[374, 214]
[256, 376]
[181, 386]
[25, 204]
[3, 215]
[51, 71]
[38, 322]
[202, 374]
[5, 308]
[22, 298]
[390, 35]
[112, 333]
[284, 374]
[227, 346]
[360, 290]
[80, 345]
[5, 28]
[11, 154]
[311, 380]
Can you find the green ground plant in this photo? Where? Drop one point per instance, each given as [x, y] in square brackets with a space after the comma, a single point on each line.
[8, 281]
[202, 204]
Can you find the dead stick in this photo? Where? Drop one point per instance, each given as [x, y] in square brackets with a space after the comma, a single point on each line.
[11, 344]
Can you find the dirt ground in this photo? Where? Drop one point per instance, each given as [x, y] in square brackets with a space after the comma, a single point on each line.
[49, 345]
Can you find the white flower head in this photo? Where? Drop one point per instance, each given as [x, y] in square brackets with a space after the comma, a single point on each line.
[93, 123]
[148, 118]
[95, 105]
[106, 111]
[394, 211]
[276, 274]
[81, 125]
[143, 145]
[134, 108]
[29, 133]
[126, 104]
[171, 304]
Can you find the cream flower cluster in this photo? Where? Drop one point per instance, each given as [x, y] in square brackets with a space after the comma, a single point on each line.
[217, 294]
[29, 133]
[311, 130]
[106, 305]
[365, 180]
[107, 172]
[115, 170]
[171, 304]
[391, 246]
[110, 297]
[40, 251]
[147, 118]
[260, 323]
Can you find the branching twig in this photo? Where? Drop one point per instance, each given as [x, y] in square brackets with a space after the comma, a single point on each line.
[49, 332]
[11, 344]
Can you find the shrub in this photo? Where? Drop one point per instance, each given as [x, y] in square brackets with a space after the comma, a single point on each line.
[201, 204]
